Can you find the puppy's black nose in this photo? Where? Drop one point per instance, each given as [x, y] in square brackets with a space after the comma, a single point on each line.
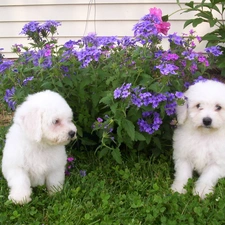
[72, 133]
[207, 121]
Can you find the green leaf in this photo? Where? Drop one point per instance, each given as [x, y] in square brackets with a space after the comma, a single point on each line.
[103, 152]
[117, 155]
[139, 136]
[205, 14]
[213, 22]
[165, 18]
[68, 81]
[221, 65]
[197, 21]
[188, 22]
[210, 37]
[157, 142]
[107, 99]
[129, 127]
[190, 4]
[59, 83]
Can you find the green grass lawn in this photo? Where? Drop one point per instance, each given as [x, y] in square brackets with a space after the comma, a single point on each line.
[135, 192]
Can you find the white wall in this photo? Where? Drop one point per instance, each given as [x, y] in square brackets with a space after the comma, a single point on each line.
[79, 17]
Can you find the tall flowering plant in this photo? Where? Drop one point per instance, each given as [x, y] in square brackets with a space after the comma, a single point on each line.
[123, 91]
[209, 13]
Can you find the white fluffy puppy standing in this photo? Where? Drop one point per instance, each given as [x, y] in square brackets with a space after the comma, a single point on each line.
[199, 140]
[34, 152]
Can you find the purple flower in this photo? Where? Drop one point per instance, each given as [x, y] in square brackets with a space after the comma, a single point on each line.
[170, 108]
[171, 56]
[150, 122]
[83, 173]
[167, 68]
[159, 53]
[5, 65]
[117, 93]
[42, 58]
[178, 40]
[200, 79]
[107, 41]
[64, 69]
[145, 29]
[215, 50]
[127, 41]
[179, 94]
[190, 55]
[32, 26]
[90, 40]
[9, 98]
[123, 91]
[100, 120]
[136, 100]
[203, 59]
[49, 25]
[70, 44]
[25, 81]
[88, 54]
[17, 47]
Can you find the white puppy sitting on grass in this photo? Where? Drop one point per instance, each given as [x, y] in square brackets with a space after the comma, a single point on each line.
[34, 152]
[199, 140]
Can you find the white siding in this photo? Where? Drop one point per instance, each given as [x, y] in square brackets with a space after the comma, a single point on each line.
[80, 17]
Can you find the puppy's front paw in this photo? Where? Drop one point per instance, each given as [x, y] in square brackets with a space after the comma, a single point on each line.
[178, 187]
[20, 197]
[202, 190]
[54, 189]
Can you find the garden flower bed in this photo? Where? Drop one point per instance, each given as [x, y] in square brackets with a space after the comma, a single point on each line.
[123, 92]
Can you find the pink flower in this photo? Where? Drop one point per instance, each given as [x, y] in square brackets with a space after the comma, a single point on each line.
[47, 52]
[163, 27]
[70, 159]
[157, 12]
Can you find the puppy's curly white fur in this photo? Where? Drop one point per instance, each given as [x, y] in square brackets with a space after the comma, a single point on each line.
[199, 140]
[34, 152]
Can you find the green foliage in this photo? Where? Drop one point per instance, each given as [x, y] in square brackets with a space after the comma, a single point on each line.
[134, 192]
[212, 13]
[123, 92]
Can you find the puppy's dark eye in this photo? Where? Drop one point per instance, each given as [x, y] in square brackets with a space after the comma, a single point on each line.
[198, 106]
[57, 121]
[218, 107]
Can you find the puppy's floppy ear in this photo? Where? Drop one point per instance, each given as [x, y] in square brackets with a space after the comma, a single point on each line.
[31, 123]
[181, 112]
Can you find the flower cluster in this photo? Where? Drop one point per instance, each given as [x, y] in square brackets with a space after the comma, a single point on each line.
[39, 33]
[150, 122]
[10, 93]
[215, 50]
[5, 65]
[8, 98]
[104, 124]
[71, 165]
[139, 97]
[36, 27]
[151, 26]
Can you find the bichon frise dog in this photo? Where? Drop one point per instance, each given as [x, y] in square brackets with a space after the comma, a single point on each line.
[199, 140]
[34, 152]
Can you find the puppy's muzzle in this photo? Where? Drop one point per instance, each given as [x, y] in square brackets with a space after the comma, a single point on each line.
[207, 121]
[72, 134]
